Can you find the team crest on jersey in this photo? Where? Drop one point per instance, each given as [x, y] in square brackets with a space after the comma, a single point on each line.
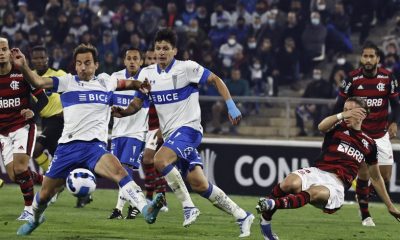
[381, 87]
[365, 143]
[14, 85]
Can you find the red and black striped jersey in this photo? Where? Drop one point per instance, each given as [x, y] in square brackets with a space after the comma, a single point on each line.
[14, 96]
[343, 150]
[153, 118]
[376, 91]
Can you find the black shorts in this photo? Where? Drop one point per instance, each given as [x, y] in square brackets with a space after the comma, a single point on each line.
[52, 128]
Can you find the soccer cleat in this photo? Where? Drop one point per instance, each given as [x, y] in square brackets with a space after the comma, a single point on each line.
[82, 201]
[267, 233]
[151, 210]
[190, 215]
[116, 214]
[164, 208]
[245, 225]
[265, 205]
[1, 183]
[132, 213]
[368, 222]
[29, 227]
[25, 216]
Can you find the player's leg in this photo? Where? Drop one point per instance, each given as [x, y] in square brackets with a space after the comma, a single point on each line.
[386, 172]
[149, 172]
[109, 166]
[49, 188]
[362, 194]
[218, 198]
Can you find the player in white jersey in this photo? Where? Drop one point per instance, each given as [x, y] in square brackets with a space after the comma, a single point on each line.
[129, 133]
[175, 94]
[86, 102]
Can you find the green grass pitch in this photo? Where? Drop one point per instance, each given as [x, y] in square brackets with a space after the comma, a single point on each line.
[63, 221]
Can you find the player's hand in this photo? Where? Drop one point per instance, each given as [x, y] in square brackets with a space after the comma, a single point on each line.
[234, 113]
[392, 130]
[145, 87]
[27, 113]
[17, 58]
[358, 113]
[395, 213]
[117, 112]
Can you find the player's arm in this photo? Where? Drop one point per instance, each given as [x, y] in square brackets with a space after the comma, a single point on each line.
[379, 185]
[134, 106]
[124, 84]
[19, 61]
[233, 112]
[41, 100]
[329, 122]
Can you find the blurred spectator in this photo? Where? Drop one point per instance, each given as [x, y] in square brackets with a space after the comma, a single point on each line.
[60, 29]
[272, 30]
[313, 39]
[260, 12]
[228, 50]
[59, 60]
[84, 12]
[391, 63]
[10, 25]
[22, 11]
[318, 88]
[19, 41]
[243, 13]
[30, 23]
[237, 87]
[338, 38]
[324, 8]
[260, 83]
[251, 46]
[105, 15]
[107, 45]
[219, 35]
[220, 18]
[241, 30]
[123, 35]
[172, 14]
[203, 18]
[136, 42]
[195, 32]
[149, 20]
[190, 12]
[341, 64]
[77, 27]
[241, 62]
[256, 25]
[287, 63]
[108, 64]
[293, 29]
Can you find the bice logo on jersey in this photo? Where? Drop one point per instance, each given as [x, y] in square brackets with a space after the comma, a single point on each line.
[165, 98]
[14, 85]
[352, 152]
[93, 97]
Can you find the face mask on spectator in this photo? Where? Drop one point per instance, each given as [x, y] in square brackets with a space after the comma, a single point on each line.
[220, 25]
[231, 41]
[315, 21]
[271, 21]
[317, 76]
[321, 7]
[341, 61]
[256, 66]
[252, 45]
[256, 26]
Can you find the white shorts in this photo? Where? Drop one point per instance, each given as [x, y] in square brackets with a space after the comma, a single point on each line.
[151, 139]
[21, 140]
[385, 151]
[313, 176]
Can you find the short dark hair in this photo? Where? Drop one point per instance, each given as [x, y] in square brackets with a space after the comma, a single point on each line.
[39, 48]
[371, 45]
[133, 49]
[360, 102]
[86, 48]
[166, 35]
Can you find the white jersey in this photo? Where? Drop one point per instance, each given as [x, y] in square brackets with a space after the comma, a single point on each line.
[134, 126]
[175, 94]
[86, 106]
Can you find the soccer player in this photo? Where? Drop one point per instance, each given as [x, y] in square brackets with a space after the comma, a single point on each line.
[17, 133]
[380, 88]
[153, 180]
[86, 100]
[50, 113]
[175, 95]
[344, 149]
[129, 133]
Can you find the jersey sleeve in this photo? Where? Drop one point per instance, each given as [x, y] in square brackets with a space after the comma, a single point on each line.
[196, 73]
[372, 157]
[345, 89]
[394, 86]
[60, 84]
[111, 82]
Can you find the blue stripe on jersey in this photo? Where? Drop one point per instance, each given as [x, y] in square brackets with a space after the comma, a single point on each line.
[174, 95]
[56, 81]
[145, 99]
[121, 99]
[82, 97]
[204, 76]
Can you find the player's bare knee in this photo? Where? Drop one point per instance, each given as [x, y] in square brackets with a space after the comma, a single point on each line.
[291, 184]
[148, 157]
[199, 186]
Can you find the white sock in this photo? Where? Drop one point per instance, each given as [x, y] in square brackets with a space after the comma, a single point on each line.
[28, 208]
[121, 200]
[175, 182]
[223, 202]
[37, 208]
[133, 193]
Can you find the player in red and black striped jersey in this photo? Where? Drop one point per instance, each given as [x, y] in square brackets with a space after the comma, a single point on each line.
[380, 89]
[153, 180]
[17, 131]
[344, 148]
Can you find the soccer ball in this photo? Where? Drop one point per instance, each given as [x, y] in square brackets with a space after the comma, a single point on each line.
[81, 182]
